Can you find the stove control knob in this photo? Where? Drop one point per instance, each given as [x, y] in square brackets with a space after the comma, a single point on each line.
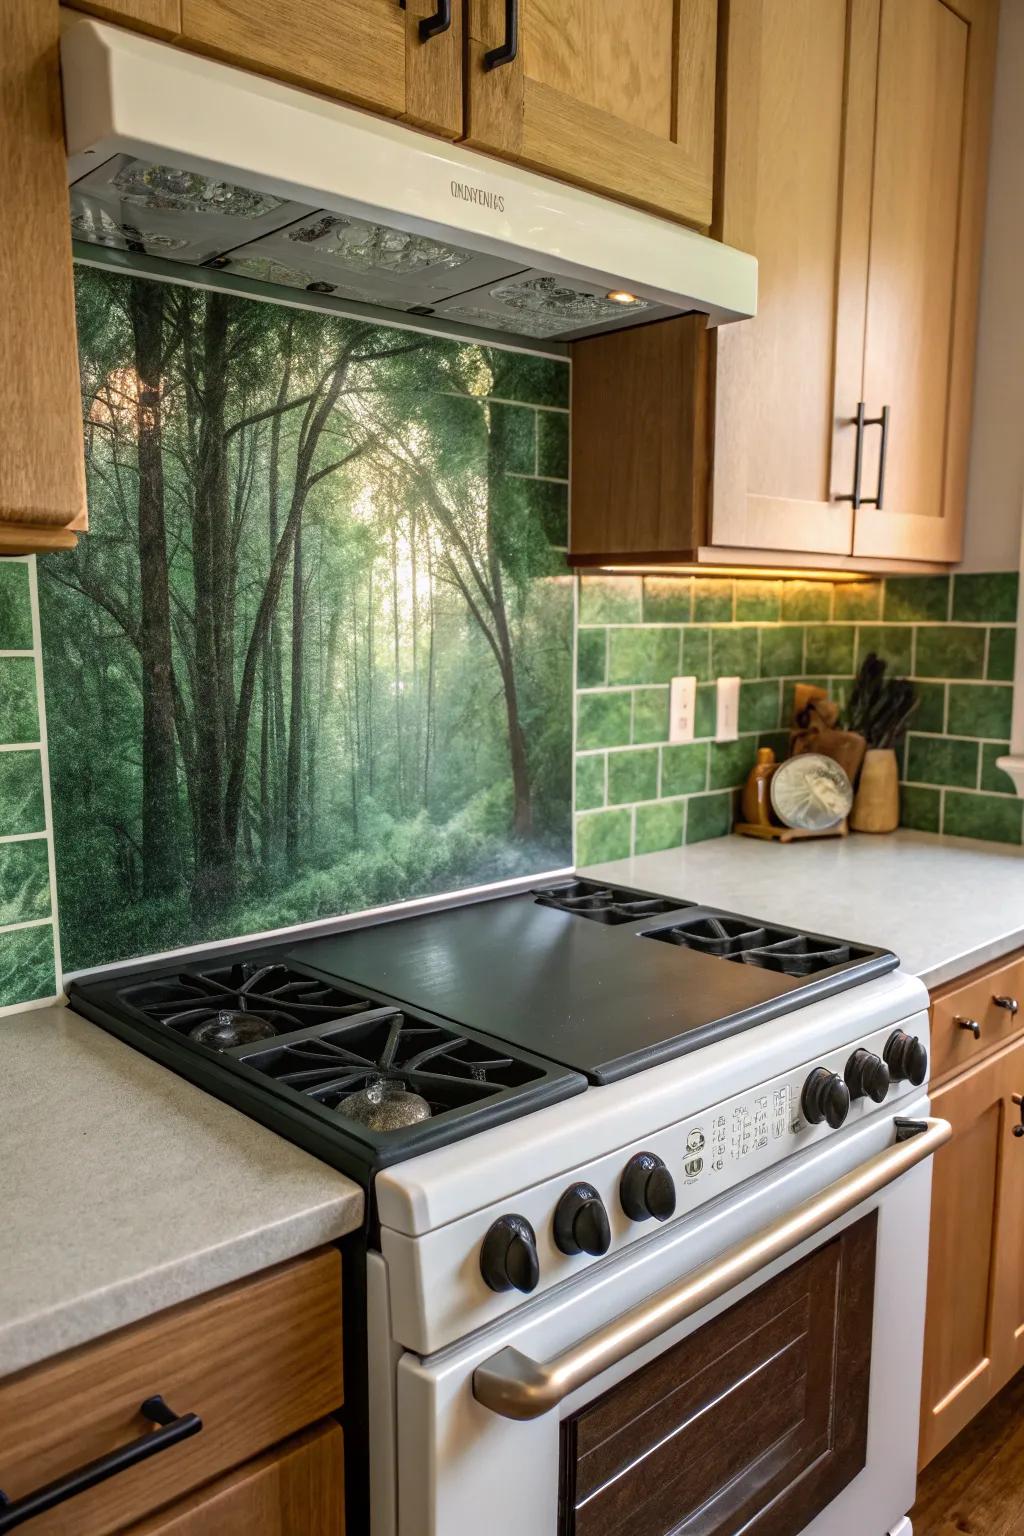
[647, 1188]
[906, 1057]
[581, 1222]
[825, 1097]
[508, 1258]
[868, 1074]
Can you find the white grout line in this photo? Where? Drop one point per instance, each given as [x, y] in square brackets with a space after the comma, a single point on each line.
[23, 654]
[45, 754]
[23, 837]
[20, 746]
[31, 922]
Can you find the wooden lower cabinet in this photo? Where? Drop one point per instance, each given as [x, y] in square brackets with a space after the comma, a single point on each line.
[257, 1362]
[297, 1489]
[974, 1333]
[755, 1422]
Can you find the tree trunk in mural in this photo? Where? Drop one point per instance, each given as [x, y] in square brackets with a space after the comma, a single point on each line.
[159, 848]
[280, 725]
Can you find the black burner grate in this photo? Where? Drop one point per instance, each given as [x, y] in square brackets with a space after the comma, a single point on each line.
[284, 998]
[774, 949]
[605, 903]
[444, 1068]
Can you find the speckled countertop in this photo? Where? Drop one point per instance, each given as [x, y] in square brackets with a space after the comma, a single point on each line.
[124, 1189]
[943, 904]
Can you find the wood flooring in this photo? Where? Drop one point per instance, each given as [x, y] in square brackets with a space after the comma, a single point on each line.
[975, 1487]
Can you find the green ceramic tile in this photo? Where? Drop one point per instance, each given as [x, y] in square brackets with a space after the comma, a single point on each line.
[24, 881]
[643, 655]
[893, 644]
[857, 600]
[996, 819]
[549, 504]
[603, 835]
[552, 444]
[920, 808]
[950, 650]
[986, 599]
[26, 965]
[21, 793]
[706, 712]
[632, 775]
[806, 600]
[650, 714]
[659, 826]
[591, 658]
[979, 710]
[534, 380]
[909, 598]
[712, 599]
[15, 607]
[19, 713]
[696, 657]
[590, 782]
[993, 778]
[934, 760]
[668, 599]
[930, 714]
[733, 652]
[602, 720]
[684, 769]
[731, 761]
[759, 706]
[1002, 646]
[513, 438]
[759, 600]
[782, 651]
[708, 816]
[830, 648]
[777, 740]
[610, 599]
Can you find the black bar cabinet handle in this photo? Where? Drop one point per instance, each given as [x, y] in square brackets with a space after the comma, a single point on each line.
[510, 47]
[883, 422]
[860, 421]
[857, 421]
[433, 26]
[14, 1512]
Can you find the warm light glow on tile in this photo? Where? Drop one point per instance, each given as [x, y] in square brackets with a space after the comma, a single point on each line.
[760, 572]
[620, 296]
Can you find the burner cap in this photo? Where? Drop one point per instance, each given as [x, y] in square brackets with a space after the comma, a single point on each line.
[385, 1106]
[230, 1027]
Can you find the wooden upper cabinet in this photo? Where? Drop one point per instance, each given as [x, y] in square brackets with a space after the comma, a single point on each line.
[931, 130]
[617, 97]
[853, 154]
[42, 464]
[161, 17]
[369, 52]
[778, 448]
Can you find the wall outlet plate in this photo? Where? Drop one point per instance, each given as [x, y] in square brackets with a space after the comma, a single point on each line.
[727, 714]
[682, 709]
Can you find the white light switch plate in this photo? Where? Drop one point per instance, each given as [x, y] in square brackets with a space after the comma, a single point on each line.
[727, 716]
[682, 707]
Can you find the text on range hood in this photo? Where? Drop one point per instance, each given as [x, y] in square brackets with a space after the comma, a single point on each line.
[204, 165]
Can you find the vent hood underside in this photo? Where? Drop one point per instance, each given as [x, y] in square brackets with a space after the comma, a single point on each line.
[207, 167]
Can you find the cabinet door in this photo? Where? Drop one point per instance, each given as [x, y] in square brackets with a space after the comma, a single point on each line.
[974, 1286]
[367, 51]
[161, 17]
[931, 128]
[297, 1489]
[42, 463]
[782, 453]
[616, 97]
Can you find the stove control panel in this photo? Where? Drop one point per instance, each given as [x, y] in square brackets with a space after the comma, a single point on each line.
[477, 1268]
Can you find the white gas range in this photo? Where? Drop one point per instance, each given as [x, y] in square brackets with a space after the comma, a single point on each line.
[652, 1255]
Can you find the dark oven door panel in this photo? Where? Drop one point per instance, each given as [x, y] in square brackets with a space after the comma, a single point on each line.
[754, 1423]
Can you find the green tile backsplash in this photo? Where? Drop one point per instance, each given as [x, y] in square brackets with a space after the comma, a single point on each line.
[635, 793]
[28, 968]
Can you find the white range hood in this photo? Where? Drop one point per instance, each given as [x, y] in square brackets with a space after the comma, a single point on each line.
[193, 162]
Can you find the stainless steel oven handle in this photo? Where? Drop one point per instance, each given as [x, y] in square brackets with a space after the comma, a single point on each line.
[512, 1384]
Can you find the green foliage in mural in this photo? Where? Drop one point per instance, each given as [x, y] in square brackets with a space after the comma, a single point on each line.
[315, 653]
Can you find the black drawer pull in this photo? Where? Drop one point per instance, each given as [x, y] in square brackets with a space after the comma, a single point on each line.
[510, 47]
[14, 1512]
[860, 421]
[433, 26]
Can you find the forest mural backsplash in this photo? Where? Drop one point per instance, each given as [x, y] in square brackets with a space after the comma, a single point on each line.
[315, 654]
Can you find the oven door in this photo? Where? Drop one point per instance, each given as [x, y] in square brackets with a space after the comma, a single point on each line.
[757, 1368]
